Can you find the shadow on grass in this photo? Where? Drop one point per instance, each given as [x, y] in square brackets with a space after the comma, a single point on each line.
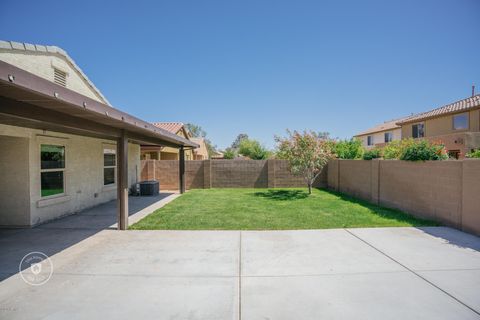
[282, 194]
[389, 213]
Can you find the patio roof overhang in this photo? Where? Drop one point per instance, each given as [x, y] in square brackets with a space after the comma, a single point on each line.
[27, 100]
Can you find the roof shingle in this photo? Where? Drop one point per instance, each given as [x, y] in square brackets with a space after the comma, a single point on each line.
[457, 106]
[387, 125]
[172, 127]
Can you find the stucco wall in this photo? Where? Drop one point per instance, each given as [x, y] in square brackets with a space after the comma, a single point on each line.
[83, 173]
[42, 64]
[14, 195]
[379, 137]
[444, 125]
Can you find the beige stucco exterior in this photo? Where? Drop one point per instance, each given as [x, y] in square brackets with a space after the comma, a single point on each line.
[22, 204]
[440, 129]
[42, 64]
[200, 153]
[379, 137]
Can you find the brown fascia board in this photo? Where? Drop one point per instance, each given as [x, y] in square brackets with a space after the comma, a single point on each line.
[18, 84]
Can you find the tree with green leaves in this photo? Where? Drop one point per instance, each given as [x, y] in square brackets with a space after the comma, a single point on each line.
[349, 149]
[229, 153]
[197, 131]
[253, 149]
[236, 144]
[307, 153]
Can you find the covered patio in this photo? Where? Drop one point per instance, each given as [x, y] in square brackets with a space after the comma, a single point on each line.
[29, 101]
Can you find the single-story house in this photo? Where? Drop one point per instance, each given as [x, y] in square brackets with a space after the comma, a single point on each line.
[65, 148]
[149, 152]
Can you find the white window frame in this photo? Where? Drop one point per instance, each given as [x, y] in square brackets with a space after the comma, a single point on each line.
[63, 170]
[110, 149]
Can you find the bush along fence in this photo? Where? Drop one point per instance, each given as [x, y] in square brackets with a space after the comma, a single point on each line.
[225, 174]
[444, 191]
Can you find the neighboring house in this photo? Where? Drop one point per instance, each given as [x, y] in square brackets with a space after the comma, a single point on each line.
[64, 147]
[456, 125]
[166, 153]
[217, 155]
[200, 153]
[381, 134]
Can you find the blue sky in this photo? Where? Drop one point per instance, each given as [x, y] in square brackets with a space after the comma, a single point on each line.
[259, 67]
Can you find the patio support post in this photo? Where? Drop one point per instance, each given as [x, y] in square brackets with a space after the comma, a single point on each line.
[182, 170]
[122, 181]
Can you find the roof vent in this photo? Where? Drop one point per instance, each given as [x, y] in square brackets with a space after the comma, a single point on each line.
[60, 77]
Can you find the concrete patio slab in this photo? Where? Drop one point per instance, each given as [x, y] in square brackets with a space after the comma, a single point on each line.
[430, 248]
[104, 216]
[126, 297]
[154, 253]
[397, 295]
[462, 284]
[309, 252]
[304, 274]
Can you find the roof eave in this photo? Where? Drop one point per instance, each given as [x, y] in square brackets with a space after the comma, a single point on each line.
[46, 94]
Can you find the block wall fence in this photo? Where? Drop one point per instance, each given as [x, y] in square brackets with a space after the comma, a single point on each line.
[225, 174]
[444, 191]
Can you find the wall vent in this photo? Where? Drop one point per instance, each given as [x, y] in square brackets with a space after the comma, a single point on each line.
[59, 77]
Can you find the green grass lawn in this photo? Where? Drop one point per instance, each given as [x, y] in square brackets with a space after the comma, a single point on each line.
[271, 209]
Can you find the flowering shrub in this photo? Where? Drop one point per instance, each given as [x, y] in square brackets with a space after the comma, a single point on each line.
[393, 150]
[372, 154]
[423, 150]
[307, 153]
[349, 149]
[473, 154]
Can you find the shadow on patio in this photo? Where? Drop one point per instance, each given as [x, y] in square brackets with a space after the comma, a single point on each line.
[53, 237]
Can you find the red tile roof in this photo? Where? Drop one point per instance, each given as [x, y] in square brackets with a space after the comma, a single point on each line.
[172, 127]
[455, 107]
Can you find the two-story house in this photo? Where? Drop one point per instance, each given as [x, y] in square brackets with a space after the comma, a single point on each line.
[456, 125]
[381, 134]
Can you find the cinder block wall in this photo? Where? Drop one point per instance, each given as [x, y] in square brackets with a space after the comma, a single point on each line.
[444, 191]
[239, 174]
[225, 174]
